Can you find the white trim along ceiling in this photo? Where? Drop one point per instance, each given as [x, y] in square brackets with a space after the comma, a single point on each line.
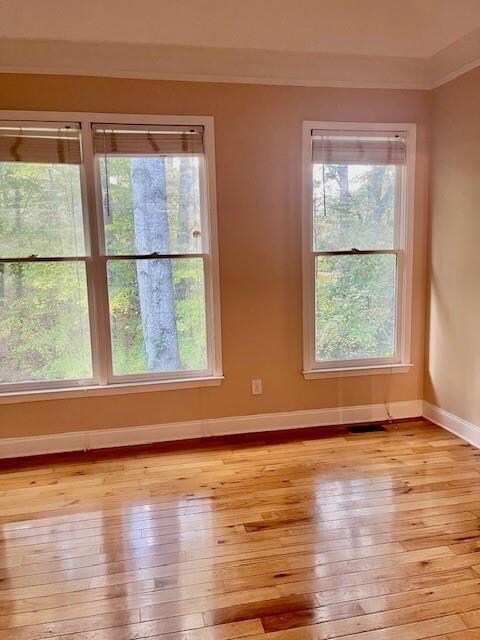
[253, 66]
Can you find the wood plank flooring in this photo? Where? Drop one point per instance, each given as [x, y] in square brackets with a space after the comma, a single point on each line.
[288, 536]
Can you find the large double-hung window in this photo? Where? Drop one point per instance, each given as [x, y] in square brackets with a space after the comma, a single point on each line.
[358, 182]
[108, 265]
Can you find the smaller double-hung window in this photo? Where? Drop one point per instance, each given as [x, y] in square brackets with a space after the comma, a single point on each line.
[357, 246]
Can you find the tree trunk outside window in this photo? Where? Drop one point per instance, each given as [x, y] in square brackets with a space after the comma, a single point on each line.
[155, 279]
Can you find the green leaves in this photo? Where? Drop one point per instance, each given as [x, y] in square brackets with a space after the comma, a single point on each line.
[354, 294]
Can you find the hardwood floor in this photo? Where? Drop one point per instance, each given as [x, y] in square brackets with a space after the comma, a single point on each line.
[299, 535]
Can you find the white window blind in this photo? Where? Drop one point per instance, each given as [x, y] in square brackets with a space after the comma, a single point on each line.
[52, 143]
[146, 140]
[358, 148]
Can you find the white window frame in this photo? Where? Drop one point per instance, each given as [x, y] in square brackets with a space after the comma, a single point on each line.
[403, 249]
[103, 382]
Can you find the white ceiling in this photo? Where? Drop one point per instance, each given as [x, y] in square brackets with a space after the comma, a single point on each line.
[320, 35]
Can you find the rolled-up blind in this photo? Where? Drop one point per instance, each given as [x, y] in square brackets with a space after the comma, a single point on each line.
[358, 148]
[145, 140]
[34, 142]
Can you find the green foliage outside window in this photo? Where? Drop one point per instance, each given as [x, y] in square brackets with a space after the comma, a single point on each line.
[354, 208]
[44, 320]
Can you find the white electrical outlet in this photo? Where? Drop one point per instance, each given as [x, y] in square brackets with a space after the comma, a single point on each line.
[257, 387]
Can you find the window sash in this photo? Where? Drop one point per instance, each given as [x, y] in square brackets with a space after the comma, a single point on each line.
[96, 258]
[70, 383]
[398, 236]
[205, 217]
[355, 362]
[163, 375]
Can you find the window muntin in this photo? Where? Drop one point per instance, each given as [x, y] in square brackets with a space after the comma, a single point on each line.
[127, 265]
[355, 254]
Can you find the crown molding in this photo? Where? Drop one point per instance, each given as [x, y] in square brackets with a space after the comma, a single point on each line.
[211, 64]
[458, 58]
[252, 66]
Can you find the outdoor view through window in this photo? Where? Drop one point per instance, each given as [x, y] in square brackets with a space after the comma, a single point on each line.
[356, 209]
[157, 306]
[144, 281]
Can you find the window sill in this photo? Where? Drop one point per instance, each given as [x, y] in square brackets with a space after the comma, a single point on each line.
[349, 372]
[30, 395]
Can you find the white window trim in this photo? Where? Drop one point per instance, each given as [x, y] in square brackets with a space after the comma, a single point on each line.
[401, 363]
[58, 393]
[103, 383]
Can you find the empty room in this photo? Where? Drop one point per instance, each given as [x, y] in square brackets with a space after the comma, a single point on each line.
[239, 320]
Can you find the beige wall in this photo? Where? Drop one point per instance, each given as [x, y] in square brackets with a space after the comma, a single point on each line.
[452, 372]
[258, 154]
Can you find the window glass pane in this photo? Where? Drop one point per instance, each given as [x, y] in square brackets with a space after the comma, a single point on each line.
[44, 325]
[157, 315]
[40, 210]
[355, 307]
[151, 204]
[353, 206]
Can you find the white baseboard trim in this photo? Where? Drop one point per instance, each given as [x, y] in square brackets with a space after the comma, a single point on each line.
[466, 430]
[105, 438]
